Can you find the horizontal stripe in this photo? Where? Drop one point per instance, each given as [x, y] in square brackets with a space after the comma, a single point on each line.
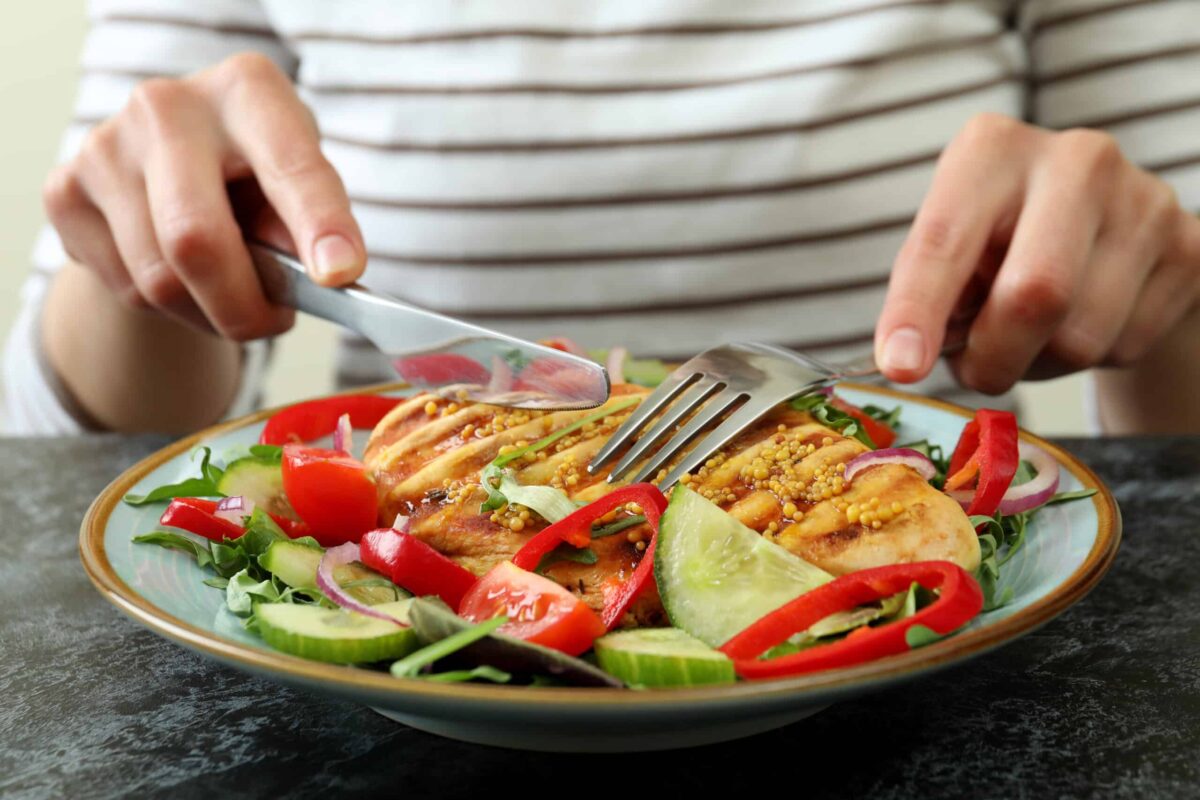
[521, 260]
[1137, 114]
[693, 29]
[1116, 63]
[239, 29]
[805, 345]
[683, 138]
[1051, 22]
[1177, 163]
[924, 49]
[642, 198]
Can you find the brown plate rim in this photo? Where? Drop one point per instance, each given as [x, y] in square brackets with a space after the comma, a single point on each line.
[351, 679]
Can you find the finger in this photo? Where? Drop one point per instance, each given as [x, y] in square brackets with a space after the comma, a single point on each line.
[1126, 252]
[274, 132]
[85, 235]
[117, 189]
[975, 188]
[193, 221]
[1044, 268]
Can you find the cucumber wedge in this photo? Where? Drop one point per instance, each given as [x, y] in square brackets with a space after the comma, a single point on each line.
[662, 657]
[296, 565]
[716, 576]
[336, 635]
[256, 480]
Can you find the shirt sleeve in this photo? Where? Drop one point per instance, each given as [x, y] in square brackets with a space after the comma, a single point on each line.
[128, 42]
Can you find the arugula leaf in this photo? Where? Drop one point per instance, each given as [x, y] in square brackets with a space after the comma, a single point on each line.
[919, 636]
[242, 590]
[267, 453]
[1067, 497]
[216, 583]
[454, 676]
[204, 486]
[618, 526]
[198, 550]
[411, 665]
[819, 406]
[566, 552]
[889, 418]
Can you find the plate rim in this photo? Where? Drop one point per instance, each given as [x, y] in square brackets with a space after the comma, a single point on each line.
[811, 687]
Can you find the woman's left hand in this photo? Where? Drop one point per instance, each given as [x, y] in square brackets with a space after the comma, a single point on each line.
[1073, 256]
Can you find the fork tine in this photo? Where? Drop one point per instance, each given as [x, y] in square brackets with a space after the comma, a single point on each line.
[690, 400]
[666, 391]
[715, 408]
[737, 422]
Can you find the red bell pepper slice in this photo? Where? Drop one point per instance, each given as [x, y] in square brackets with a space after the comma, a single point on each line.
[987, 448]
[199, 516]
[409, 562]
[576, 529]
[959, 600]
[311, 420]
[881, 435]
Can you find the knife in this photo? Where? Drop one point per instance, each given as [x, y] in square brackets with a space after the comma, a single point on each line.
[435, 352]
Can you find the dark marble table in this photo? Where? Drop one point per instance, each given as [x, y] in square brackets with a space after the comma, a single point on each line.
[1102, 702]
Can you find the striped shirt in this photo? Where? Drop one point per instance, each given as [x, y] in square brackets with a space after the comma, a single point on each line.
[664, 174]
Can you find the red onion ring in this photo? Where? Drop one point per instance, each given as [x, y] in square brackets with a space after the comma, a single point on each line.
[343, 435]
[1030, 494]
[615, 364]
[891, 455]
[502, 376]
[401, 523]
[234, 508]
[335, 557]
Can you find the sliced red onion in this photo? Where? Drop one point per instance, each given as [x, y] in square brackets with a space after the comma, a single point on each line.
[343, 435]
[234, 508]
[502, 376]
[825, 390]
[400, 523]
[615, 364]
[1030, 494]
[891, 455]
[335, 557]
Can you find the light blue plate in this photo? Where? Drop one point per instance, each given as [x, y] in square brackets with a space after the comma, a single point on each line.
[1068, 550]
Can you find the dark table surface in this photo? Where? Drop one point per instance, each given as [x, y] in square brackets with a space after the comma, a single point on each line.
[1102, 702]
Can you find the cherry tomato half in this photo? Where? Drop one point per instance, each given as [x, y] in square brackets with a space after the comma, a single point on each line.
[331, 492]
[538, 609]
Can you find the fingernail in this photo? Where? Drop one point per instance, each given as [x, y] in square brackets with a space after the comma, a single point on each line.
[904, 351]
[333, 255]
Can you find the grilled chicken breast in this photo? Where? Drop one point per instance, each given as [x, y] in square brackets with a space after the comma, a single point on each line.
[782, 477]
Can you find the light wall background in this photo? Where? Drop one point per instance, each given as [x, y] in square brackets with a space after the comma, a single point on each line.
[39, 51]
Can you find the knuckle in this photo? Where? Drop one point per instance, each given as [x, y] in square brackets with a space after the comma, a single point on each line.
[189, 240]
[936, 238]
[1038, 297]
[250, 67]
[101, 145]
[1096, 152]
[160, 287]
[989, 128]
[60, 191]
[157, 98]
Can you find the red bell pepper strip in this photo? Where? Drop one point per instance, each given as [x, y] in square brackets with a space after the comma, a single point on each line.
[576, 529]
[311, 420]
[959, 600]
[987, 447]
[199, 516]
[409, 562]
[882, 435]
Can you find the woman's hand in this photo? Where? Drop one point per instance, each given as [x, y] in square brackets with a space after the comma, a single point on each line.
[1073, 257]
[145, 204]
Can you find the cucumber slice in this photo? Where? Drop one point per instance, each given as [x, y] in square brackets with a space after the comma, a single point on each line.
[336, 635]
[296, 565]
[662, 657]
[716, 576]
[257, 480]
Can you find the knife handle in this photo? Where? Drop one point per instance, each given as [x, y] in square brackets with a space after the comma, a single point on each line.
[286, 283]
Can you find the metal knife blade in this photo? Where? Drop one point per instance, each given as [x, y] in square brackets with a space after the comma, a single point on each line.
[435, 352]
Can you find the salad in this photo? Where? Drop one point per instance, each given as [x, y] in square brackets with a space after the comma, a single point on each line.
[454, 549]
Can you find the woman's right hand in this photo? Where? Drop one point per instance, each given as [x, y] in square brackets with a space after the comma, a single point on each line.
[146, 203]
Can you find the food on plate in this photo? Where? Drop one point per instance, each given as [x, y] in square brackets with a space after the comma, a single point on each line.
[470, 543]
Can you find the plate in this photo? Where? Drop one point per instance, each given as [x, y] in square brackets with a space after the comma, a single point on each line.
[1069, 548]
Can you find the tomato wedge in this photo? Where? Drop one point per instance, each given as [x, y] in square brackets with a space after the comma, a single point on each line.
[331, 492]
[304, 422]
[538, 609]
[880, 434]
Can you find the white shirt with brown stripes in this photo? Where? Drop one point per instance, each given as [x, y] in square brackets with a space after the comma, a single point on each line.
[663, 174]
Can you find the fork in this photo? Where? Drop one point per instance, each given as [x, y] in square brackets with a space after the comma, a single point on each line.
[710, 385]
